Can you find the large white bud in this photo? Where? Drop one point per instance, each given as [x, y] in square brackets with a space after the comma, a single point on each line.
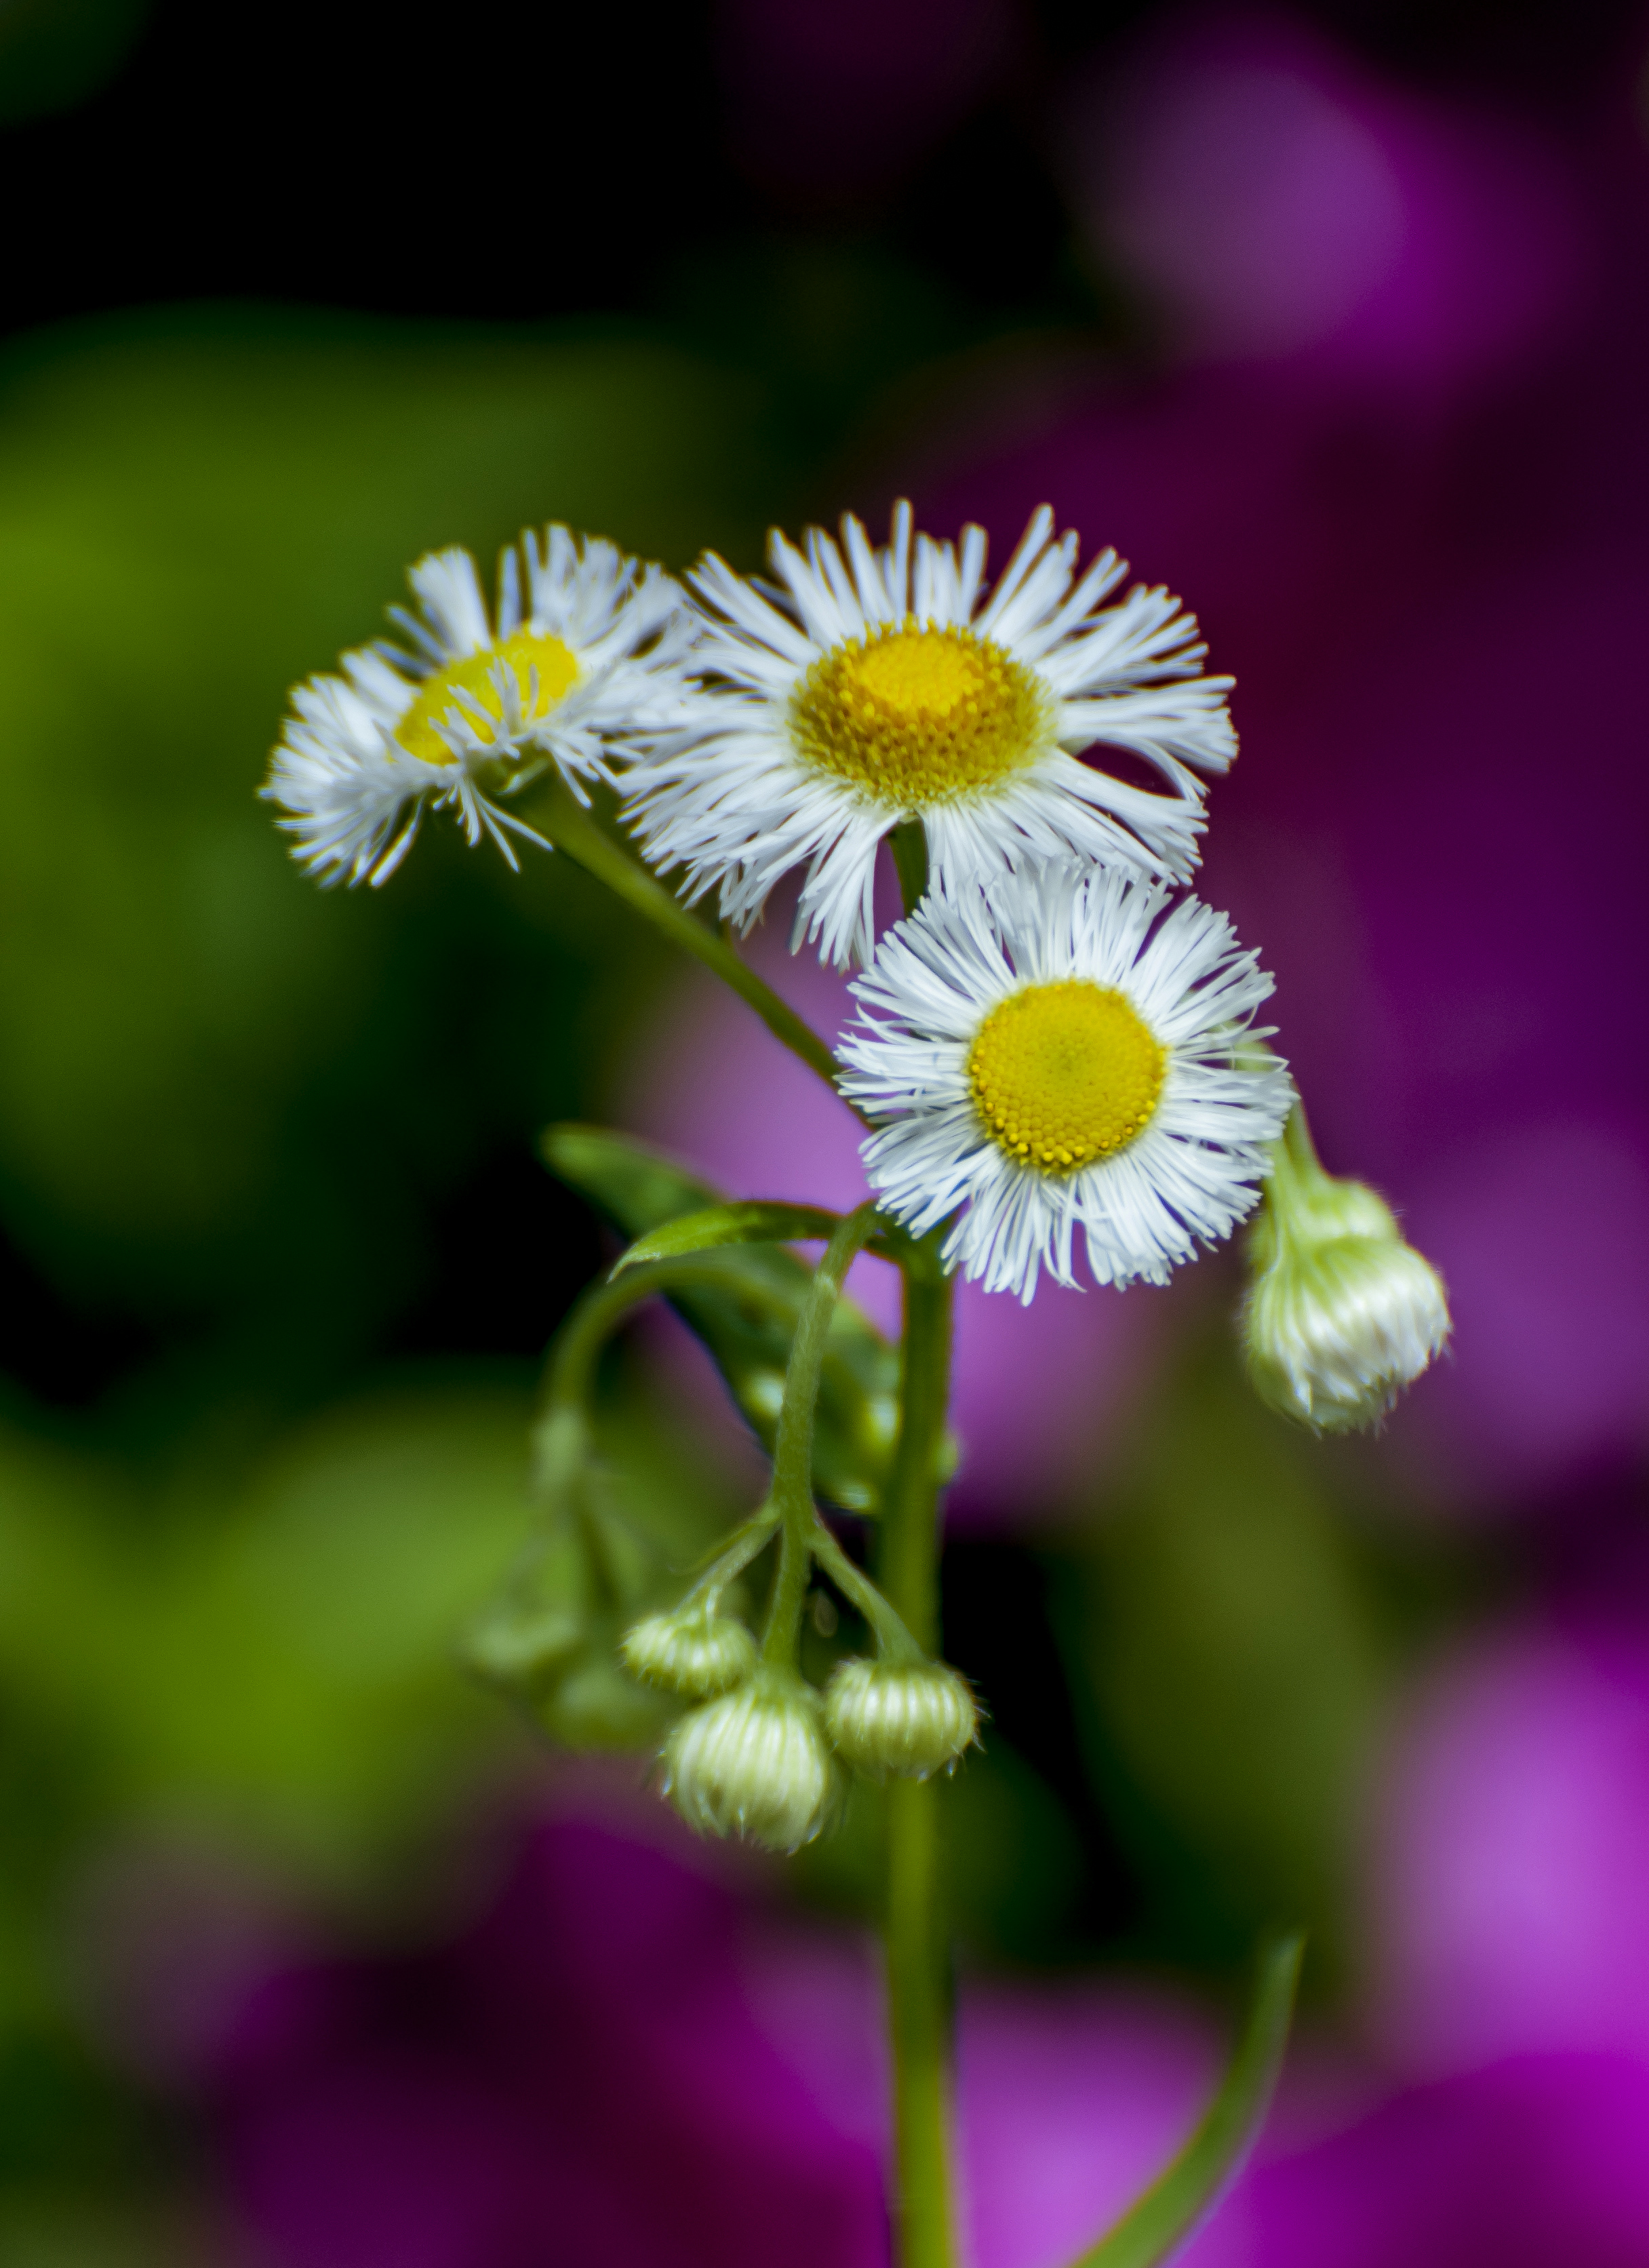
[753, 1763]
[910, 1718]
[1342, 1315]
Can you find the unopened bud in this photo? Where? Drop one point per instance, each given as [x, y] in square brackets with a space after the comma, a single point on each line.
[527, 1637]
[913, 1718]
[695, 1653]
[753, 1763]
[596, 1707]
[1342, 1315]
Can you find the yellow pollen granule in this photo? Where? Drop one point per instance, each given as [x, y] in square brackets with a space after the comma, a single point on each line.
[917, 715]
[524, 651]
[1065, 1073]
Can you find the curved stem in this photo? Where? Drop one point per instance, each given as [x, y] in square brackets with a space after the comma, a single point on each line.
[918, 2012]
[569, 1365]
[720, 1565]
[574, 830]
[792, 1446]
[893, 1641]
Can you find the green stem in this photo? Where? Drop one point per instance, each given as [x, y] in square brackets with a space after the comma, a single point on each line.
[893, 1641]
[792, 1446]
[1302, 1151]
[569, 1367]
[917, 1981]
[1303, 1200]
[909, 1539]
[909, 843]
[561, 1434]
[565, 821]
[918, 2023]
[734, 1557]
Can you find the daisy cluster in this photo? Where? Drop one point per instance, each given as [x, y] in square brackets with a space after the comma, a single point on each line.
[1056, 1048]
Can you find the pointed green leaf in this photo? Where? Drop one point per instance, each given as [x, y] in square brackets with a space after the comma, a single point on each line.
[1162, 2221]
[747, 1315]
[749, 1223]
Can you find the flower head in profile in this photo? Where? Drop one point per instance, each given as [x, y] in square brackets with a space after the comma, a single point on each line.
[1343, 1313]
[582, 656]
[1069, 1053]
[862, 689]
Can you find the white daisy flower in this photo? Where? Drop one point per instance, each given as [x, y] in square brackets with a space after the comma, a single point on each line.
[856, 692]
[586, 647]
[1067, 1054]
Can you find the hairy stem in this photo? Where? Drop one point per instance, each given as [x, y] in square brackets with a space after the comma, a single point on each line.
[792, 1447]
[917, 1972]
[571, 827]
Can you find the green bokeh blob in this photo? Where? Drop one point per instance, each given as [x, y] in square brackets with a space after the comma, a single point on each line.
[56, 52]
[219, 1085]
[1232, 1657]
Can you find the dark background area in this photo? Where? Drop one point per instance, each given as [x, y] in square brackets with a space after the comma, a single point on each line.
[532, 164]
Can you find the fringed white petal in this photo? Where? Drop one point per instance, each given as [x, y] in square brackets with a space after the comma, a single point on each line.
[732, 799]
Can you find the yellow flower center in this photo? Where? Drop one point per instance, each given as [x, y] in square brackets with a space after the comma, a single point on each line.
[917, 715]
[525, 651]
[1065, 1073]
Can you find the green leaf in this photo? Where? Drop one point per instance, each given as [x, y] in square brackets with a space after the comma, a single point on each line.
[752, 1222]
[746, 1317]
[1170, 2209]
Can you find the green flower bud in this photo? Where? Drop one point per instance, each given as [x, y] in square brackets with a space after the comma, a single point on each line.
[1342, 1315]
[912, 1718]
[528, 1636]
[694, 1653]
[753, 1763]
[595, 1707]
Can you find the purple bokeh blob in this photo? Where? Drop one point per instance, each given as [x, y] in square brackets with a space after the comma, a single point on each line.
[1510, 1907]
[1282, 204]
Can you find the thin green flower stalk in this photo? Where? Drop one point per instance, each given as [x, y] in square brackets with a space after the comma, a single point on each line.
[571, 828]
[1343, 1313]
[754, 1762]
[793, 1449]
[918, 1984]
[548, 1637]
